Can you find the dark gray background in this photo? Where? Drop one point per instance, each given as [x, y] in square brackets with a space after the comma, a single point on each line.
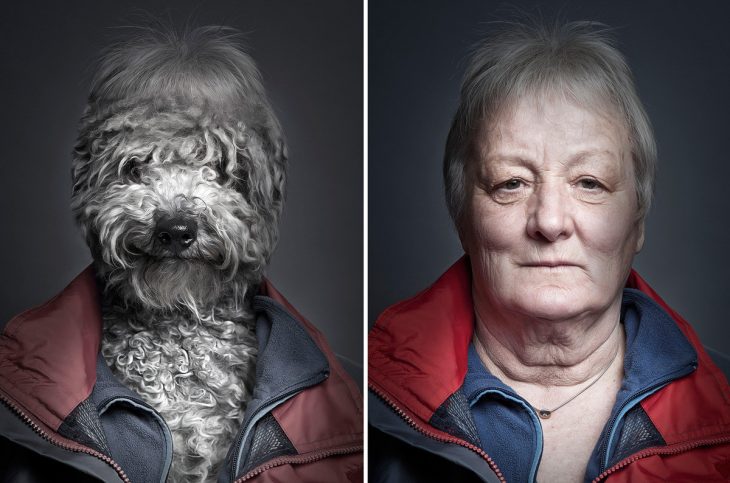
[310, 54]
[680, 54]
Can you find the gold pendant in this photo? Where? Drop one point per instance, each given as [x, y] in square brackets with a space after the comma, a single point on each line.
[544, 414]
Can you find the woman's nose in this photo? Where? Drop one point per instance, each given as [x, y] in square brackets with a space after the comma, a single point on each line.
[550, 217]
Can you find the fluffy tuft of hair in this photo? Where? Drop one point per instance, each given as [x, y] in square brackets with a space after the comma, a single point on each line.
[203, 63]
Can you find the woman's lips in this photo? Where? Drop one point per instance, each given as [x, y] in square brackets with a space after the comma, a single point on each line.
[552, 264]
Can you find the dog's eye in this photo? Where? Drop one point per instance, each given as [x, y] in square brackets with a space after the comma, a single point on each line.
[135, 173]
[131, 171]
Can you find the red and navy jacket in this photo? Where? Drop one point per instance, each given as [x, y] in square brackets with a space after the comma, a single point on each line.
[64, 417]
[420, 421]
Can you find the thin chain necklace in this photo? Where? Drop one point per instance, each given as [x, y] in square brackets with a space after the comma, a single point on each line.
[546, 413]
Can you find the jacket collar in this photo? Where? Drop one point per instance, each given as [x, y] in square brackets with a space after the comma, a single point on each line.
[417, 348]
[328, 415]
[48, 359]
[418, 358]
[694, 407]
[287, 355]
[48, 354]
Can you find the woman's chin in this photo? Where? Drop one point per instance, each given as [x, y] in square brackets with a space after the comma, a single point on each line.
[552, 303]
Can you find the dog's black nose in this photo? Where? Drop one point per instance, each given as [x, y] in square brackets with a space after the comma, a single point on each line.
[177, 233]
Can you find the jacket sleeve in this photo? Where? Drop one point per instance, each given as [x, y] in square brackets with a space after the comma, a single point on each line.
[393, 461]
[20, 465]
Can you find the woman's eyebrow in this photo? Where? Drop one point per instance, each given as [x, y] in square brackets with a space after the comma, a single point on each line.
[586, 156]
[509, 159]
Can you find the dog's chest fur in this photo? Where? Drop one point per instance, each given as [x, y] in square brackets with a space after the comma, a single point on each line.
[198, 374]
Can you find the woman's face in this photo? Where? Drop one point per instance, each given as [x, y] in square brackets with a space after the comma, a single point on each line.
[551, 224]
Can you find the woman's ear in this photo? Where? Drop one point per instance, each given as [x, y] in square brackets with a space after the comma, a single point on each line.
[463, 233]
[640, 235]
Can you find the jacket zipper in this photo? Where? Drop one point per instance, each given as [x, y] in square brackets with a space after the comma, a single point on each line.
[412, 423]
[299, 459]
[80, 449]
[660, 451]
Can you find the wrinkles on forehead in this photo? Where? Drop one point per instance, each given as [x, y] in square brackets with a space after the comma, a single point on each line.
[577, 134]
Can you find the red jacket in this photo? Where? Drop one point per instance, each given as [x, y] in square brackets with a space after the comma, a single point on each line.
[417, 360]
[48, 361]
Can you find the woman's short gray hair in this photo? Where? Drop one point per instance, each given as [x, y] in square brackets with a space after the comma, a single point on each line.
[577, 60]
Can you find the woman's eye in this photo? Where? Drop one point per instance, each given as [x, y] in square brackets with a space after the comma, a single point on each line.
[512, 184]
[589, 184]
[509, 191]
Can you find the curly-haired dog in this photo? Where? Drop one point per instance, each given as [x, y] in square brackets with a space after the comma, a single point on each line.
[178, 182]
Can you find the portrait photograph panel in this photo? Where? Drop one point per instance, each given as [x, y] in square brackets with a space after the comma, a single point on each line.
[546, 268]
[184, 184]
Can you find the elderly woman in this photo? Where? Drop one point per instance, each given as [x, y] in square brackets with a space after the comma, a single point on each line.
[541, 356]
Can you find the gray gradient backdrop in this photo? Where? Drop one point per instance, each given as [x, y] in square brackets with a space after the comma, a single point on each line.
[680, 54]
[310, 54]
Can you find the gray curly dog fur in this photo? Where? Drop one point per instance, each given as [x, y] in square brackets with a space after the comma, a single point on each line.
[178, 184]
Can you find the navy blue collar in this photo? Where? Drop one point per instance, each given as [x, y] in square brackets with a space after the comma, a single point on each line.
[288, 356]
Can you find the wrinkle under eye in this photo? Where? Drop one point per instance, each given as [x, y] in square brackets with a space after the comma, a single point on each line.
[509, 191]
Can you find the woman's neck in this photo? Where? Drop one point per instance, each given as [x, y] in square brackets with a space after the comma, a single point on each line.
[547, 352]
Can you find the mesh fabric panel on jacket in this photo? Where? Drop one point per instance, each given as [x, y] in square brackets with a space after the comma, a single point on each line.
[637, 433]
[83, 426]
[268, 441]
[454, 417]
